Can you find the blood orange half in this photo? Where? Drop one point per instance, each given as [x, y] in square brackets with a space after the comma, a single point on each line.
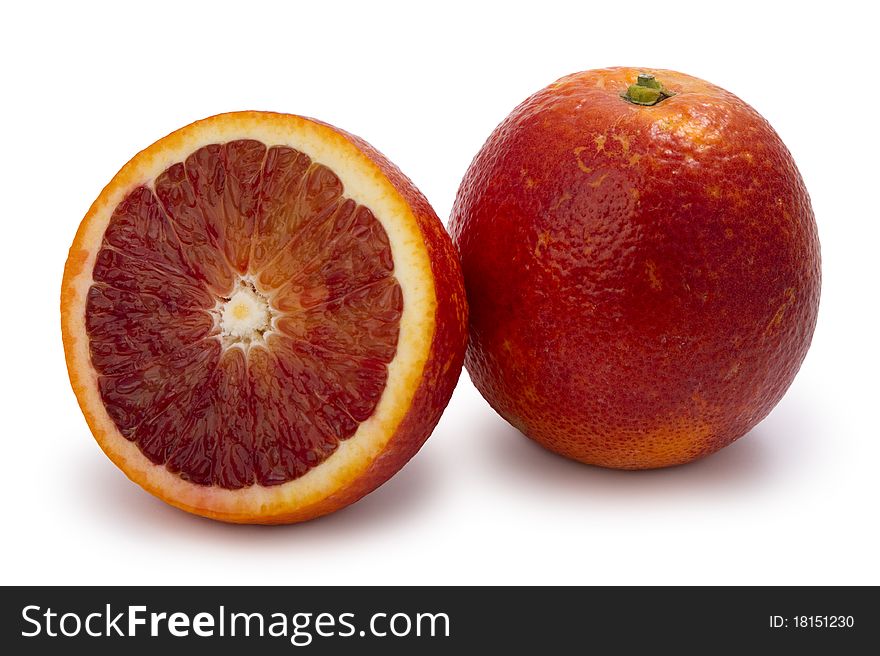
[263, 319]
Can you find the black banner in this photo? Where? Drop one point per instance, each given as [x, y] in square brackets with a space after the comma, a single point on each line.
[284, 620]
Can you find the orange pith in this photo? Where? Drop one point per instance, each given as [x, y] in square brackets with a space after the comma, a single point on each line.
[253, 313]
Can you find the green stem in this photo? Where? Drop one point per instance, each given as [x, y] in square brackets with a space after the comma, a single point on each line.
[647, 80]
[646, 91]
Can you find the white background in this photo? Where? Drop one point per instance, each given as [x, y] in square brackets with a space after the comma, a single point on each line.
[86, 86]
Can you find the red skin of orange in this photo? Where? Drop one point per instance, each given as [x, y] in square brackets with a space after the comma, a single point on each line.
[643, 282]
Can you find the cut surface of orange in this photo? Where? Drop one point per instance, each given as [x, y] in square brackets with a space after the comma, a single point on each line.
[262, 318]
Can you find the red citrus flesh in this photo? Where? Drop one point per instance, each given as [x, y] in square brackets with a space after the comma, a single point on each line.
[226, 416]
[643, 280]
[237, 311]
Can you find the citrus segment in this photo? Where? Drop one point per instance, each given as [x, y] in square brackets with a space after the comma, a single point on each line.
[295, 191]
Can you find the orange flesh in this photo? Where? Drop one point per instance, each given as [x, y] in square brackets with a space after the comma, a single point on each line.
[216, 409]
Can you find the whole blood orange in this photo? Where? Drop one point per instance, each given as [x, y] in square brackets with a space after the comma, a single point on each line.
[641, 264]
[263, 318]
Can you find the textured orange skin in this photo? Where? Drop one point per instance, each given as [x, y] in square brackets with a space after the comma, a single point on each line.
[439, 376]
[643, 281]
